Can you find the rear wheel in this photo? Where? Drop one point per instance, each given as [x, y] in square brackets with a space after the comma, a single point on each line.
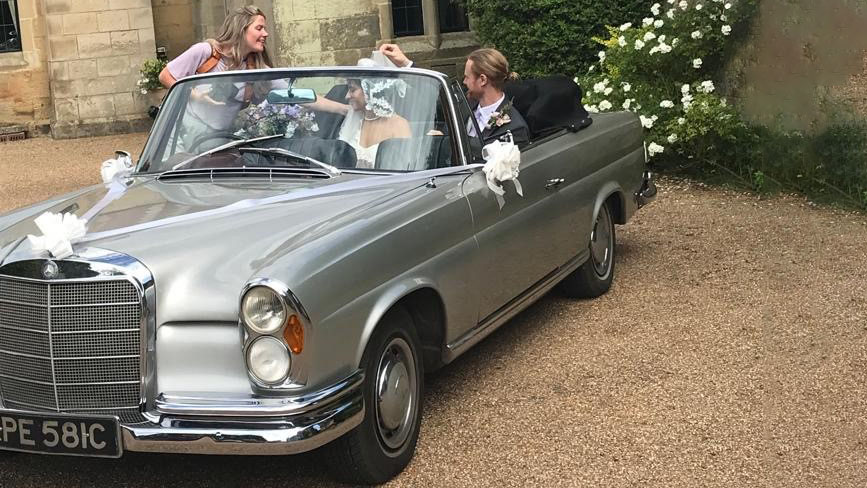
[594, 277]
[384, 443]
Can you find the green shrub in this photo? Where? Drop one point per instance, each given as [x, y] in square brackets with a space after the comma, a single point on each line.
[542, 37]
[150, 75]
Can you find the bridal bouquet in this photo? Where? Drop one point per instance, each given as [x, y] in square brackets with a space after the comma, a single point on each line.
[267, 119]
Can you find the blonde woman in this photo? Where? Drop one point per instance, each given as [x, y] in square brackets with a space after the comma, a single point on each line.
[241, 44]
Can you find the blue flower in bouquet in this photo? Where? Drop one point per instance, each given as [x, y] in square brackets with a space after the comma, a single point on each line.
[265, 119]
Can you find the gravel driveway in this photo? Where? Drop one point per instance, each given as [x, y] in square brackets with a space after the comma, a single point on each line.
[731, 351]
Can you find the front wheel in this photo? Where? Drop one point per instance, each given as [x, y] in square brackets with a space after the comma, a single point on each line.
[384, 443]
[594, 277]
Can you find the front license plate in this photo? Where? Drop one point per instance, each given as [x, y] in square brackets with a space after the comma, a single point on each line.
[60, 434]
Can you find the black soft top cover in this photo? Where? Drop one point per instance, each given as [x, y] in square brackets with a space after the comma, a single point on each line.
[549, 104]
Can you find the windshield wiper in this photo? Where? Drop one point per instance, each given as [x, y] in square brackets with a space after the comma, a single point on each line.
[294, 155]
[228, 145]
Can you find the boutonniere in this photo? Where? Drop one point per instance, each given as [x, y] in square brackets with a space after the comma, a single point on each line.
[501, 117]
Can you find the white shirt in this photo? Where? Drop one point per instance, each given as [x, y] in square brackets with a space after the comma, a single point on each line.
[483, 115]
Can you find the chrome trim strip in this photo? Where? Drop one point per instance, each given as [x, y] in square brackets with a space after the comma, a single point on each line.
[13, 302]
[515, 306]
[24, 329]
[256, 406]
[51, 350]
[46, 383]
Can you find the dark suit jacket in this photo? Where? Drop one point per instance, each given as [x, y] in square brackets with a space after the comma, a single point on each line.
[518, 126]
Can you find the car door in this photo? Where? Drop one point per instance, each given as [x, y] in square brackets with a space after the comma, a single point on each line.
[519, 237]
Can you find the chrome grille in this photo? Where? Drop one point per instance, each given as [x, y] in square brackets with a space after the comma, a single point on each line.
[71, 346]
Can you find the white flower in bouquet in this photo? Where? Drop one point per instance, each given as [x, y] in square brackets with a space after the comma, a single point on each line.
[626, 86]
[664, 48]
[685, 88]
[696, 63]
[621, 41]
[696, 34]
[681, 120]
[653, 149]
[699, 6]
[683, 5]
[723, 17]
[626, 26]
[608, 91]
[655, 9]
[591, 108]
[726, 30]
[605, 105]
[601, 56]
[639, 44]
[727, 6]
[627, 103]
[707, 86]
[670, 13]
[672, 138]
[658, 23]
[666, 104]
[649, 36]
[647, 21]
[654, 50]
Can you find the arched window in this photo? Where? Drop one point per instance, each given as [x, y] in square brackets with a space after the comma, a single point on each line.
[10, 30]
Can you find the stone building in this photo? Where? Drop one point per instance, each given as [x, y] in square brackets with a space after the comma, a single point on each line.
[69, 67]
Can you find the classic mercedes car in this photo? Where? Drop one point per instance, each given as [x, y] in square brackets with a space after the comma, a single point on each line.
[253, 286]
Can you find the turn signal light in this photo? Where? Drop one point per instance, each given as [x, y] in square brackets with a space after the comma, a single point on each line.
[293, 334]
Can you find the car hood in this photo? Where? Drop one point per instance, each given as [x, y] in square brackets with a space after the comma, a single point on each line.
[195, 232]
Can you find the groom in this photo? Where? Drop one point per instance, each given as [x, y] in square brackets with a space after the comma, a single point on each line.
[485, 74]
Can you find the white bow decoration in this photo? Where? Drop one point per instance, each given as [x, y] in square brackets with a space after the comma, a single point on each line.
[58, 231]
[121, 166]
[502, 161]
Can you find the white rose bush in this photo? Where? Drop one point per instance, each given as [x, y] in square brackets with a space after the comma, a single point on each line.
[663, 70]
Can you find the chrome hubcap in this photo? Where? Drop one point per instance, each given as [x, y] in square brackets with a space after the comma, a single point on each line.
[600, 242]
[395, 393]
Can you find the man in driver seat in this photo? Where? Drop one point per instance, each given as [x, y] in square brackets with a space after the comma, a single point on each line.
[485, 74]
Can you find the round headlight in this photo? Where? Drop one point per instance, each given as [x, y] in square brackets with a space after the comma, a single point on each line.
[262, 310]
[268, 360]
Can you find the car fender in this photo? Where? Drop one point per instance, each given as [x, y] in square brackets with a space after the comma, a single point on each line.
[387, 298]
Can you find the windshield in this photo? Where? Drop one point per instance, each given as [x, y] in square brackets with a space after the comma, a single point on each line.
[350, 120]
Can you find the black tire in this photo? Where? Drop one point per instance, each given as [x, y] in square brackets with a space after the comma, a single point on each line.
[594, 277]
[376, 450]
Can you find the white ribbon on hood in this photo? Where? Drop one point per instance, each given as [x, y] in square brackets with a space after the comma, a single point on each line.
[502, 162]
[58, 231]
[121, 166]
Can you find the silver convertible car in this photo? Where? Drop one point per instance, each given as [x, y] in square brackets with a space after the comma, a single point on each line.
[250, 287]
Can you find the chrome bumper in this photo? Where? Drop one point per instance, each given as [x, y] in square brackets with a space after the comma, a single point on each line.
[647, 192]
[255, 426]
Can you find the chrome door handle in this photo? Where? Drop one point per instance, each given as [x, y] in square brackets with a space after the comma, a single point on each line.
[554, 183]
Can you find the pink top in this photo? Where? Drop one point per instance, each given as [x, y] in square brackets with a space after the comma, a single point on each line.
[189, 61]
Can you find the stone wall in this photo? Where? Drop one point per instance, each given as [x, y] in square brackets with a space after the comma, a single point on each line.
[804, 64]
[25, 97]
[339, 32]
[95, 50]
[173, 25]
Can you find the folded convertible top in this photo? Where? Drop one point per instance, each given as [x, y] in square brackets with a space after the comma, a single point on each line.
[549, 104]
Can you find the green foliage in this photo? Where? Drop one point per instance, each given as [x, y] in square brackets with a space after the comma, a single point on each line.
[150, 75]
[541, 37]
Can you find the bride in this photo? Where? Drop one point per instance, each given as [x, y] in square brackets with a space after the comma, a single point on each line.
[370, 116]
